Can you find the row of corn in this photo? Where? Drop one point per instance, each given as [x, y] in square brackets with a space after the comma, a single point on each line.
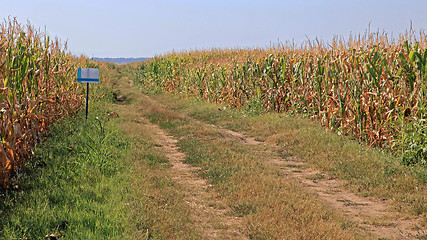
[370, 87]
[36, 87]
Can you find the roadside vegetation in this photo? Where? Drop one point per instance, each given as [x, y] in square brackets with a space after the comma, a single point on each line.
[60, 174]
[74, 186]
[370, 87]
[37, 87]
[108, 177]
[368, 92]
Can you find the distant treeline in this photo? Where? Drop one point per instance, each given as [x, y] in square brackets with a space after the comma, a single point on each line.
[120, 60]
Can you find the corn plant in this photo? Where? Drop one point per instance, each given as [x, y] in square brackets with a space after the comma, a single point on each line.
[366, 86]
[36, 87]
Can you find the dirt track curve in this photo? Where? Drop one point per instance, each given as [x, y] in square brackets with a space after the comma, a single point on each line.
[373, 216]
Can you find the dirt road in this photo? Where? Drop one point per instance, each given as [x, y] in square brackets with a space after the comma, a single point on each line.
[212, 214]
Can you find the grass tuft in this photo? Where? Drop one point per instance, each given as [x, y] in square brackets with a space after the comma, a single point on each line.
[74, 178]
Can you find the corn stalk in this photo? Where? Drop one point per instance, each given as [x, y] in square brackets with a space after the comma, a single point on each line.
[36, 88]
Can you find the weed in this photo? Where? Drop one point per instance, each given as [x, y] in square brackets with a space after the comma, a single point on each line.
[155, 159]
[74, 178]
[243, 209]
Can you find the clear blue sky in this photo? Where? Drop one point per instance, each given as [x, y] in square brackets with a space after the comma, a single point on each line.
[125, 28]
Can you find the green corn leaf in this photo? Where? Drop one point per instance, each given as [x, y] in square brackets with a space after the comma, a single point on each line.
[406, 45]
[403, 59]
[371, 72]
[411, 56]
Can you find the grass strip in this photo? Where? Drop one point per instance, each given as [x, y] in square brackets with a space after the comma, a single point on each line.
[74, 186]
[369, 171]
[272, 207]
[157, 207]
[95, 179]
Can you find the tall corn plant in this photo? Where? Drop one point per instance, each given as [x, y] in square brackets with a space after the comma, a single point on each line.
[36, 87]
[369, 87]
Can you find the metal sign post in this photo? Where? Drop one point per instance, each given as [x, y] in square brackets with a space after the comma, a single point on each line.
[87, 99]
[87, 75]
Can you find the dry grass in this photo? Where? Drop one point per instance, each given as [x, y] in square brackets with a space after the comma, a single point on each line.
[272, 207]
[371, 172]
[156, 206]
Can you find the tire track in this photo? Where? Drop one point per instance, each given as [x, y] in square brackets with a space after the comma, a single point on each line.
[371, 215]
[210, 214]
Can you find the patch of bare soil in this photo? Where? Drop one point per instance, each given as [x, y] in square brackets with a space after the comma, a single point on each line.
[374, 216]
[209, 212]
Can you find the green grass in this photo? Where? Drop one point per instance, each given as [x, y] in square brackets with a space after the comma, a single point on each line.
[97, 179]
[75, 184]
[154, 159]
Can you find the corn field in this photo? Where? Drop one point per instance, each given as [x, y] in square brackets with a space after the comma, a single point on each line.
[36, 87]
[371, 86]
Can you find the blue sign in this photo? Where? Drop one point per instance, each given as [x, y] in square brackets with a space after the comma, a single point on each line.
[88, 75]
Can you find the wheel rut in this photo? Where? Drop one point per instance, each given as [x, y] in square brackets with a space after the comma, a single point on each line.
[210, 214]
[374, 216]
[371, 215]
